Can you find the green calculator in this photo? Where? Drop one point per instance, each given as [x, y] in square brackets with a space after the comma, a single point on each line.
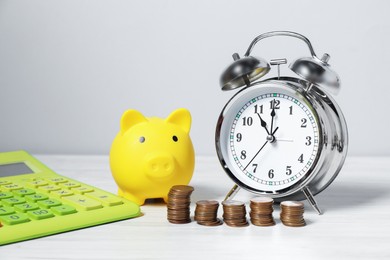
[36, 202]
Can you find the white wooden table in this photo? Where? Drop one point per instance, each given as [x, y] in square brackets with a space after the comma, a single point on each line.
[355, 223]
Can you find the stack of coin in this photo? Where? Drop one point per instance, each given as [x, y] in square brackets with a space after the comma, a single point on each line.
[261, 211]
[292, 213]
[206, 213]
[234, 213]
[179, 200]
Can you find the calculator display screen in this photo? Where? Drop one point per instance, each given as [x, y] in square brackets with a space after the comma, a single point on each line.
[14, 169]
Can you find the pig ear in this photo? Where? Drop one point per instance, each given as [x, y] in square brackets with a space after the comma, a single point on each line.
[131, 118]
[180, 117]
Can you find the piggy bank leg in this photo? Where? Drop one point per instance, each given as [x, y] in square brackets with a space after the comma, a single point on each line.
[137, 200]
[165, 199]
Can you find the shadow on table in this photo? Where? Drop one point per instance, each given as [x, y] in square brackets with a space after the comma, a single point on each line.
[156, 202]
[349, 196]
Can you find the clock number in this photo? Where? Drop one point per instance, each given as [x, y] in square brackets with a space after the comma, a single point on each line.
[300, 159]
[239, 137]
[304, 122]
[243, 155]
[247, 121]
[274, 104]
[271, 174]
[291, 108]
[308, 138]
[288, 170]
[255, 167]
[258, 109]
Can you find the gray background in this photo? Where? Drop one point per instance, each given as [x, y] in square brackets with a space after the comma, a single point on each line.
[69, 69]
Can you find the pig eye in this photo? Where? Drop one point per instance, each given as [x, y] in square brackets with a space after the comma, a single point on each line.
[142, 139]
[174, 138]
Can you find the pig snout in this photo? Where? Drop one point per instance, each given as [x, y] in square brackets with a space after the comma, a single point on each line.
[159, 165]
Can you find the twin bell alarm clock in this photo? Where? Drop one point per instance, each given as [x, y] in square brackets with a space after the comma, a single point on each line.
[282, 137]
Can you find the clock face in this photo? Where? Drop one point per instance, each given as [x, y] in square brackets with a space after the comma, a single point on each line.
[271, 139]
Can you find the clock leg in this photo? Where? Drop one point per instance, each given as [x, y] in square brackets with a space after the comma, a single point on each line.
[232, 192]
[310, 198]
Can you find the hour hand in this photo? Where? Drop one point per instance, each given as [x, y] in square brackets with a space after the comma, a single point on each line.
[263, 123]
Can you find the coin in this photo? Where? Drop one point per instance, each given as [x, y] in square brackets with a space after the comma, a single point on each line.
[206, 213]
[261, 211]
[262, 199]
[234, 213]
[232, 203]
[182, 188]
[178, 206]
[218, 222]
[291, 213]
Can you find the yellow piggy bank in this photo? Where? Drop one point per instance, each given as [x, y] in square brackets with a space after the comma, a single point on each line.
[150, 155]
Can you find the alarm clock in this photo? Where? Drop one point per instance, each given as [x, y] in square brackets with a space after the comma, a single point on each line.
[282, 137]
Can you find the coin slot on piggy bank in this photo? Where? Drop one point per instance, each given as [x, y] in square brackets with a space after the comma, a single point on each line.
[150, 155]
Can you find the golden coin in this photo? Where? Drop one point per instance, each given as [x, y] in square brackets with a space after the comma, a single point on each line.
[292, 204]
[178, 206]
[216, 222]
[261, 211]
[182, 188]
[234, 213]
[262, 200]
[291, 213]
[206, 213]
[232, 203]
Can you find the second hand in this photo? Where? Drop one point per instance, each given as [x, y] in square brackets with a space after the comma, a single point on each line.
[266, 142]
[256, 155]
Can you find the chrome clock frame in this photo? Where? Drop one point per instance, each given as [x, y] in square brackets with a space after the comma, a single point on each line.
[333, 136]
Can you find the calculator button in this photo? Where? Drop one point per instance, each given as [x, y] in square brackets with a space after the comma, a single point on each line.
[5, 195]
[68, 185]
[63, 210]
[13, 219]
[82, 202]
[12, 201]
[106, 199]
[12, 186]
[23, 192]
[82, 189]
[24, 179]
[36, 183]
[40, 214]
[62, 193]
[26, 207]
[49, 203]
[4, 182]
[36, 197]
[57, 180]
[6, 211]
[49, 188]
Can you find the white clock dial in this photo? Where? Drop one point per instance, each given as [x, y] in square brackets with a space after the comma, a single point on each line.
[273, 141]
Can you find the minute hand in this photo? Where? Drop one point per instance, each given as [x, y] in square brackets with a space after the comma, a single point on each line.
[272, 120]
